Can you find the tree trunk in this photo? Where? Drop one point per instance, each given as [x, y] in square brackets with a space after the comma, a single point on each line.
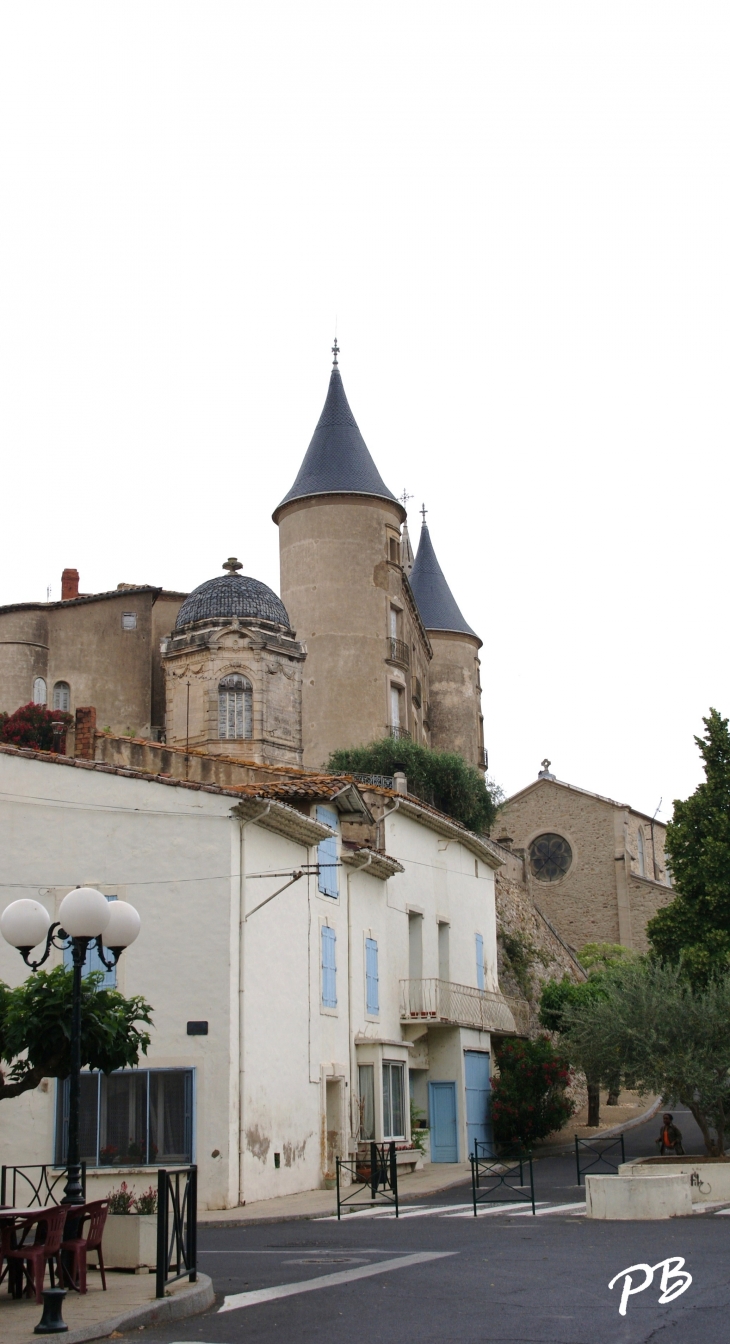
[612, 1099]
[594, 1105]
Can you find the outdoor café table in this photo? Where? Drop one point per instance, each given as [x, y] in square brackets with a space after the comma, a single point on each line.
[8, 1220]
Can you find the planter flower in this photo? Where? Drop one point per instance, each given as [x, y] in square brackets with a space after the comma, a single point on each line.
[130, 1234]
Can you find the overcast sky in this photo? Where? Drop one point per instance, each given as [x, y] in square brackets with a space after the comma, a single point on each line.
[518, 215]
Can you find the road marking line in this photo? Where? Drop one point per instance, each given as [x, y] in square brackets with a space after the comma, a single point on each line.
[481, 1212]
[364, 1213]
[431, 1209]
[252, 1299]
[553, 1208]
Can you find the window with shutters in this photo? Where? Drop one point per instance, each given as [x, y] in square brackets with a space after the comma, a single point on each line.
[235, 707]
[62, 696]
[372, 1000]
[327, 860]
[40, 692]
[93, 962]
[329, 967]
[480, 961]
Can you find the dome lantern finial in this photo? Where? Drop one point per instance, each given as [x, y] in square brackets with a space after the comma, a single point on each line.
[232, 564]
[335, 352]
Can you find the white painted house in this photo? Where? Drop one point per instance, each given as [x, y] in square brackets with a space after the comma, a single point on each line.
[285, 1029]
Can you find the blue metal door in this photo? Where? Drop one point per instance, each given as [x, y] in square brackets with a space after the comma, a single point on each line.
[478, 1122]
[442, 1108]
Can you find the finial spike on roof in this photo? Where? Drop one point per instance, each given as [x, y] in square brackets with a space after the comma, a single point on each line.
[232, 564]
[424, 511]
[335, 352]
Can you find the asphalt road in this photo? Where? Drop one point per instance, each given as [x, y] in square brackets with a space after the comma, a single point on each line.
[437, 1273]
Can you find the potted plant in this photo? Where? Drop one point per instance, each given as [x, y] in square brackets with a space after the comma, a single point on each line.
[130, 1235]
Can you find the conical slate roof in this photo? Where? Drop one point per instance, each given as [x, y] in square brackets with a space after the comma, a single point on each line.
[433, 595]
[337, 461]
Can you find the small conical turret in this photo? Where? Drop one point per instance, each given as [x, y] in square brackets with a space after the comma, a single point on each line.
[435, 599]
[406, 550]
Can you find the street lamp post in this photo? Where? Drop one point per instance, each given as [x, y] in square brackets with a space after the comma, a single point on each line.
[85, 917]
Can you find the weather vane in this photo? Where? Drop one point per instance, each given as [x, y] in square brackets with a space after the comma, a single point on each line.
[335, 352]
[404, 498]
[424, 511]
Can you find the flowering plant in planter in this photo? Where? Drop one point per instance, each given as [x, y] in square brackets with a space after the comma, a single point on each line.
[107, 1155]
[122, 1200]
[147, 1201]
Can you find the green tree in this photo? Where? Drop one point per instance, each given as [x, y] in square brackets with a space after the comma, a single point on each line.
[441, 778]
[35, 1029]
[695, 927]
[662, 1035]
[557, 997]
[529, 1096]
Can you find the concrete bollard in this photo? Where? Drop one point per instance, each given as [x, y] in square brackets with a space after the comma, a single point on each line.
[638, 1197]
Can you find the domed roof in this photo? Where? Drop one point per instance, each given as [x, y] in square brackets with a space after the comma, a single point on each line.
[230, 595]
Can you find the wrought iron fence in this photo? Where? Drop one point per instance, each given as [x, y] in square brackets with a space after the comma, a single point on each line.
[444, 1001]
[399, 651]
[35, 1186]
[500, 1180]
[597, 1149]
[377, 1174]
[380, 781]
[177, 1226]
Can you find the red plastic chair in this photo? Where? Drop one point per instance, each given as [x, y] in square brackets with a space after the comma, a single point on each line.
[30, 1258]
[79, 1247]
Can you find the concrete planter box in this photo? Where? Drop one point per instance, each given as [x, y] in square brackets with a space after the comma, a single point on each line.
[130, 1241]
[709, 1178]
[638, 1197]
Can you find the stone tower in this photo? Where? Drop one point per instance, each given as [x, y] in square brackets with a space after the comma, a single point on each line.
[455, 690]
[343, 584]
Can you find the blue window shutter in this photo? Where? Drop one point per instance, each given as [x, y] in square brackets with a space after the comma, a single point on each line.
[371, 976]
[329, 968]
[93, 962]
[480, 961]
[327, 854]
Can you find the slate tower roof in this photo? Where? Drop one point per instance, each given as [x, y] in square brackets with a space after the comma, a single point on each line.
[337, 461]
[435, 600]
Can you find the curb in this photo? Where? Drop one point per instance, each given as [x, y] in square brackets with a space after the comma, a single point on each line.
[187, 1302]
[311, 1217]
[559, 1150]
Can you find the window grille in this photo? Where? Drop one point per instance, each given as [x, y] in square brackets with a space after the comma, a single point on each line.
[62, 696]
[137, 1117]
[235, 707]
[40, 692]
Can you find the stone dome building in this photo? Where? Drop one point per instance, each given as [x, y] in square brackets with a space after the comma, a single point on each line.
[233, 673]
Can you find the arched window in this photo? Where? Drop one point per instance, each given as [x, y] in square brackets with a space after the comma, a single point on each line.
[640, 847]
[40, 691]
[235, 707]
[62, 696]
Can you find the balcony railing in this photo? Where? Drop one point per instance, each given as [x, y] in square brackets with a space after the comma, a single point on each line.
[395, 730]
[398, 651]
[462, 1006]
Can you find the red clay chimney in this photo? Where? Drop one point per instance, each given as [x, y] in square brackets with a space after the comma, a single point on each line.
[69, 584]
[85, 729]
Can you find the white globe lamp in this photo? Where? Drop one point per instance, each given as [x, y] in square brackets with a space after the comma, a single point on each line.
[25, 924]
[84, 913]
[123, 927]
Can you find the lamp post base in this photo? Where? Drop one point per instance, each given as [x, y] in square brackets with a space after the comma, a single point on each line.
[52, 1322]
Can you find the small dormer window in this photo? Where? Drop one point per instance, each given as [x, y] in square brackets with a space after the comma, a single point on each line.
[235, 707]
[129, 620]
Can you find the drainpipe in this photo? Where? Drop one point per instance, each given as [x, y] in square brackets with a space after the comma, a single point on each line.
[350, 1033]
[381, 821]
[241, 992]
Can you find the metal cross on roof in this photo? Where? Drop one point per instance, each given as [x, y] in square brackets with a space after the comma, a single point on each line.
[546, 764]
[404, 498]
[424, 511]
[335, 352]
[232, 564]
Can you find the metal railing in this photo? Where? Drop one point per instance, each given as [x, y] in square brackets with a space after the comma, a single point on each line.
[398, 651]
[395, 730]
[500, 1180]
[177, 1226]
[597, 1150]
[462, 1005]
[377, 1174]
[32, 1186]
[380, 781]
